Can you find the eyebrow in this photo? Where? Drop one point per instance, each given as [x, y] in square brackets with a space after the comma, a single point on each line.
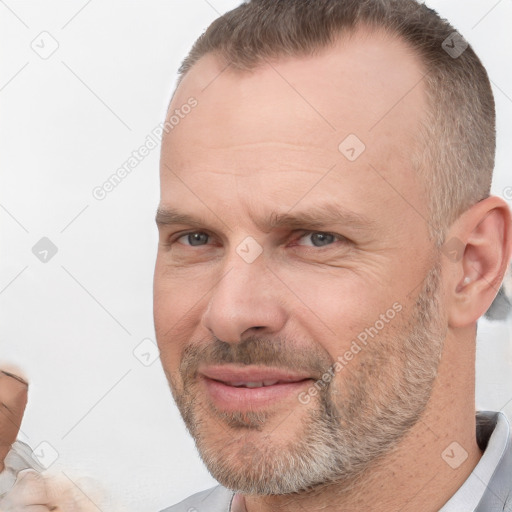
[314, 217]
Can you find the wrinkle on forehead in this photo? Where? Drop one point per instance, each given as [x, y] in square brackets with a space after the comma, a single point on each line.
[276, 130]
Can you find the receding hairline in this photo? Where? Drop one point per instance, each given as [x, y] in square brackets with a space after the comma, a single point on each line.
[364, 29]
[361, 30]
[457, 158]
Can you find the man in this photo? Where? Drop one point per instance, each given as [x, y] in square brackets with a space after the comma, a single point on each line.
[327, 245]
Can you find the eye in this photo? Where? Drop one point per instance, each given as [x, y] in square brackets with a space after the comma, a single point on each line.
[319, 238]
[194, 238]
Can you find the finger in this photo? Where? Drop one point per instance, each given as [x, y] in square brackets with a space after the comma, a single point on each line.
[57, 493]
[29, 489]
[57, 489]
[65, 496]
[75, 495]
[13, 400]
[32, 508]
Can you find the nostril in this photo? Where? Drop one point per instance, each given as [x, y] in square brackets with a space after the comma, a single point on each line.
[247, 332]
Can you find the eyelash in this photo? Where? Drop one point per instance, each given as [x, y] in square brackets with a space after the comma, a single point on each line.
[339, 238]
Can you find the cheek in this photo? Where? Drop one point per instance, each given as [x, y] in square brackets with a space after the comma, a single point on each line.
[177, 307]
[336, 309]
[174, 297]
[168, 315]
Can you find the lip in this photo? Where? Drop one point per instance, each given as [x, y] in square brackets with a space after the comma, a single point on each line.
[230, 373]
[219, 382]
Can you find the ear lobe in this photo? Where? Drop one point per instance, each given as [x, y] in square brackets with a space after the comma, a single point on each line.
[484, 233]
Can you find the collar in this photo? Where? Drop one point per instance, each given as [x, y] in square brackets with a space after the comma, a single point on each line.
[493, 436]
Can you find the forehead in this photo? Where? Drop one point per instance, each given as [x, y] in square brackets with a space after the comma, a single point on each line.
[298, 117]
[362, 77]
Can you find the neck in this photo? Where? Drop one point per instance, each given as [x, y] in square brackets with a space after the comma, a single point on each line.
[424, 471]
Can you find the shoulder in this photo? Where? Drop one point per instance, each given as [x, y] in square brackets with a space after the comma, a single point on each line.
[216, 499]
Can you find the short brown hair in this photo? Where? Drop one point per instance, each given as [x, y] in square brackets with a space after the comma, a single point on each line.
[458, 135]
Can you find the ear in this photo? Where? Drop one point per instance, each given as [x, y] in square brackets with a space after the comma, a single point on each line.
[479, 245]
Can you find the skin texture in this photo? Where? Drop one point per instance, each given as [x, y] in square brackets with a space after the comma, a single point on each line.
[265, 141]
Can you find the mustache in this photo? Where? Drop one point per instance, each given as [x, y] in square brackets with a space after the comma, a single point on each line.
[255, 350]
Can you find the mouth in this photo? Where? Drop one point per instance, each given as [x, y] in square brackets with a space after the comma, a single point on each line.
[259, 384]
[233, 388]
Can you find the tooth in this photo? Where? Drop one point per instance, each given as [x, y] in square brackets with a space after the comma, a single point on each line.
[259, 384]
[254, 384]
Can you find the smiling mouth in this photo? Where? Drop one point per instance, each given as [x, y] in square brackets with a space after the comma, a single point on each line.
[251, 376]
[234, 388]
[258, 384]
[253, 384]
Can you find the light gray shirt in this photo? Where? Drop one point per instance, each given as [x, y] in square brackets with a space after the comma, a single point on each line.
[487, 489]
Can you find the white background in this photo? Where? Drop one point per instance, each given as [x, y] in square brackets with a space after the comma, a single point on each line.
[67, 123]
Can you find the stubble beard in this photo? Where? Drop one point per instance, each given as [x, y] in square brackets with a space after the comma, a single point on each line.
[342, 433]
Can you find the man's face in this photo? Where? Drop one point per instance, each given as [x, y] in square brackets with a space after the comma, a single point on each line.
[293, 313]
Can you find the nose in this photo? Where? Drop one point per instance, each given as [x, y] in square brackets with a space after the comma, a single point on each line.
[245, 301]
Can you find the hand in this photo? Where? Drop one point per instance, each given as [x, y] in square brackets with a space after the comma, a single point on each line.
[28, 494]
[13, 400]
[38, 492]
[34, 491]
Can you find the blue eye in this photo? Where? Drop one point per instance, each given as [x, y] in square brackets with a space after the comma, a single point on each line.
[195, 238]
[312, 239]
[318, 238]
